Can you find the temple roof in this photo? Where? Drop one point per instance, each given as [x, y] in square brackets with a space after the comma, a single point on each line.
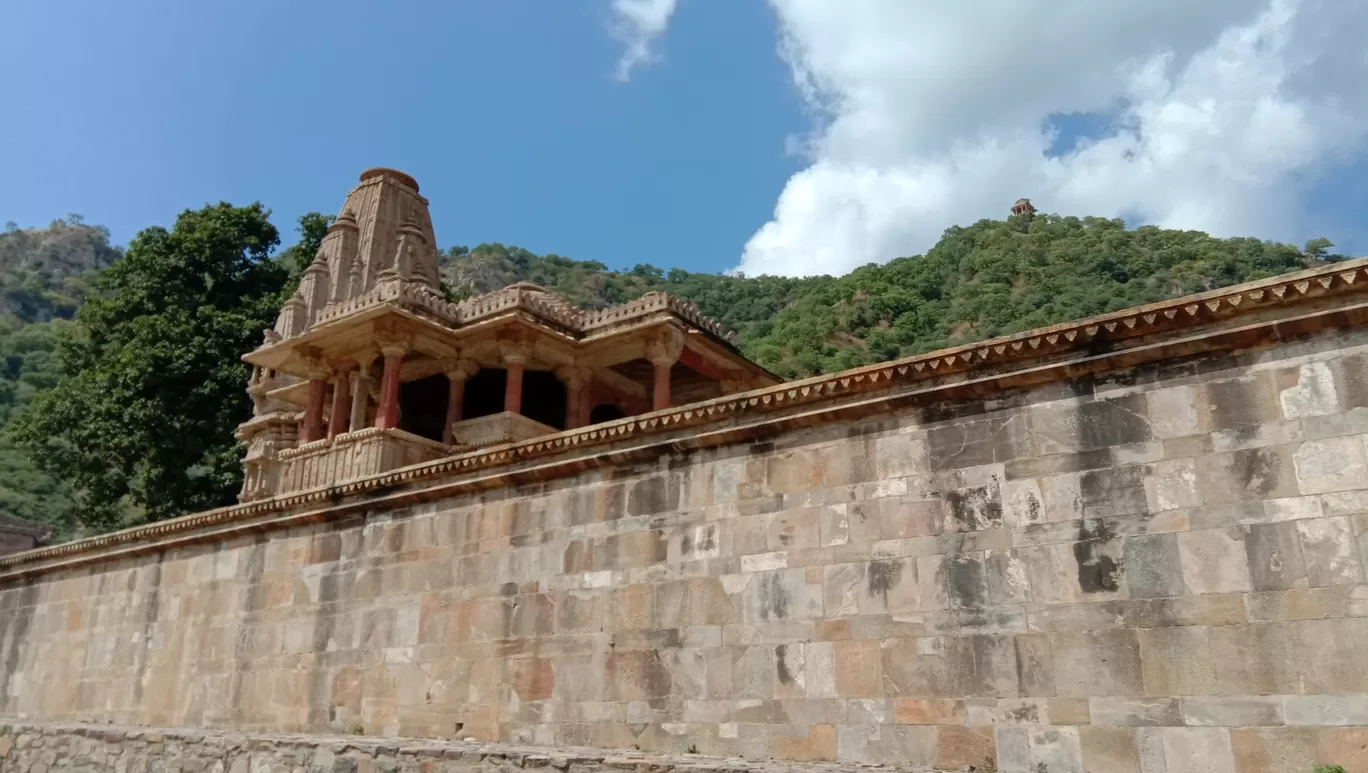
[379, 259]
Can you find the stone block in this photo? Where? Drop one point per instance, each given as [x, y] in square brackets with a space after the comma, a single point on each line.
[1345, 746]
[794, 530]
[1214, 561]
[928, 711]
[1274, 553]
[1312, 393]
[1135, 712]
[1241, 711]
[972, 442]
[1237, 403]
[1330, 552]
[1090, 663]
[1177, 661]
[960, 747]
[1172, 485]
[1321, 710]
[900, 517]
[1255, 659]
[906, 746]
[1022, 503]
[1114, 492]
[818, 744]
[1153, 568]
[1206, 749]
[1172, 412]
[859, 669]
[1248, 475]
[1274, 749]
[1109, 749]
[1332, 464]
[900, 455]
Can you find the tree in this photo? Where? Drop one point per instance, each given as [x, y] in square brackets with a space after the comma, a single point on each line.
[1317, 248]
[150, 382]
[312, 227]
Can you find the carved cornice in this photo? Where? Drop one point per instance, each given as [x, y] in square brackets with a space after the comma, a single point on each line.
[1234, 317]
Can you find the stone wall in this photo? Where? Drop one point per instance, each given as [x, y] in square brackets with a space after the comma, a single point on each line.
[1149, 571]
[38, 748]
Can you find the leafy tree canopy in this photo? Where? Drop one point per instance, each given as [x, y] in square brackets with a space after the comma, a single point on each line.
[150, 377]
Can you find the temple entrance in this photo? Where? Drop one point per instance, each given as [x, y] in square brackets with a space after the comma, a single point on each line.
[422, 406]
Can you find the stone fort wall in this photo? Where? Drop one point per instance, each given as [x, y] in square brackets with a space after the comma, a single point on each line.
[1122, 565]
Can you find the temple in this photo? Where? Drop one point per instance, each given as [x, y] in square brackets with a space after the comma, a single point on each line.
[370, 368]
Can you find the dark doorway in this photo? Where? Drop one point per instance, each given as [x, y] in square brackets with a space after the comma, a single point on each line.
[543, 398]
[422, 406]
[484, 393]
[605, 412]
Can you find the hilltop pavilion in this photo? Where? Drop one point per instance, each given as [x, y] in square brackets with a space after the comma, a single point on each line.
[369, 368]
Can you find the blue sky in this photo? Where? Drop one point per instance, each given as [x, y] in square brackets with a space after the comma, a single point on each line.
[506, 112]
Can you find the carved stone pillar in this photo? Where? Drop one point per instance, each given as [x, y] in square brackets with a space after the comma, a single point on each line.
[360, 391]
[457, 372]
[576, 380]
[514, 358]
[339, 418]
[313, 411]
[663, 351]
[387, 415]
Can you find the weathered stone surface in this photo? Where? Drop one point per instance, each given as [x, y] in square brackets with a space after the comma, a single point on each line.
[1156, 570]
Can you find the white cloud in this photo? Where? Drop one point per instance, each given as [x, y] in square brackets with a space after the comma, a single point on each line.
[636, 24]
[929, 114]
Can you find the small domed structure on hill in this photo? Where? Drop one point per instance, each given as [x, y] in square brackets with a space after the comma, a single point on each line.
[369, 367]
[1023, 207]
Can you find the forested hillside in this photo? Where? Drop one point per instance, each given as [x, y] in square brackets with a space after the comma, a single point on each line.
[983, 280]
[979, 281]
[45, 275]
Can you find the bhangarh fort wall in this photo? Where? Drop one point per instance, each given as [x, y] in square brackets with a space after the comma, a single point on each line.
[1129, 544]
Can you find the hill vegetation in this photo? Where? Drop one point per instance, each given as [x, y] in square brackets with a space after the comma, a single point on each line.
[90, 355]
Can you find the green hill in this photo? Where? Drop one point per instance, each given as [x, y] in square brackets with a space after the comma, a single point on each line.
[979, 281]
[45, 275]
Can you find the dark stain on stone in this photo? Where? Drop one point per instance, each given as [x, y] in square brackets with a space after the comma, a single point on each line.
[883, 576]
[151, 610]
[508, 589]
[1027, 713]
[781, 668]
[257, 597]
[709, 542]
[656, 494]
[975, 508]
[394, 537]
[1114, 492]
[773, 597]
[16, 627]
[1112, 422]
[1097, 571]
[761, 449]
[1257, 470]
[330, 594]
[1235, 404]
[965, 583]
